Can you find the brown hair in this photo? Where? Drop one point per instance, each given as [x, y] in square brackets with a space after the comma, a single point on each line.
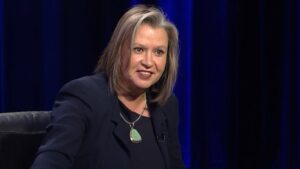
[110, 60]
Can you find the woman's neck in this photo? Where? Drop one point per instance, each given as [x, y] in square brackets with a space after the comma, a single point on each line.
[135, 103]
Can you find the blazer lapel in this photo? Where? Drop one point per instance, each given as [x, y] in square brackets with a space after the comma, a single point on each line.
[120, 131]
[159, 121]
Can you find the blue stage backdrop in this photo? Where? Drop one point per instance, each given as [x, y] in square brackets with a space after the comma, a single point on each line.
[239, 73]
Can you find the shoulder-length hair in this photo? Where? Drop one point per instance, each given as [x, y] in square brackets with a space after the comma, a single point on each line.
[111, 58]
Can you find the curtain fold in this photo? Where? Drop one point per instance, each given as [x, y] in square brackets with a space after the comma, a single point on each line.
[2, 64]
[297, 92]
[183, 88]
[52, 49]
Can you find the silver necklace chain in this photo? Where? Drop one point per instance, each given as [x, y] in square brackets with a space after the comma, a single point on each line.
[131, 124]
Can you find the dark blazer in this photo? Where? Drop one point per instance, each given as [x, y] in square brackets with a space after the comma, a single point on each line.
[85, 130]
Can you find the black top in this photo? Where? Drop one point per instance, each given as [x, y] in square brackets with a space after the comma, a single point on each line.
[146, 154]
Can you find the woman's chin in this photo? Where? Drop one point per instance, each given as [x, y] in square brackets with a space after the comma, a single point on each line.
[142, 86]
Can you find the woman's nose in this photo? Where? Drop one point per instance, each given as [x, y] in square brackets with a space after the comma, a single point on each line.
[147, 60]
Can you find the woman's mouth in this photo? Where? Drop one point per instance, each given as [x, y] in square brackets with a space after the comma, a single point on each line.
[144, 74]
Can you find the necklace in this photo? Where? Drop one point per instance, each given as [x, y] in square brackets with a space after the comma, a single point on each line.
[134, 135]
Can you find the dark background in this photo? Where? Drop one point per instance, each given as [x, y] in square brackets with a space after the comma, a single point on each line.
[239, 75]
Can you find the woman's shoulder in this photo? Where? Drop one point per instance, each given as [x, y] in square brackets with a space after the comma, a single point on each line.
[88, 81]
[172, 102]
[170, 108]
[88, 87]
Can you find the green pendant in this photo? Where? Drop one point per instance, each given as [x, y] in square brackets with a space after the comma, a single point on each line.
[135, 136]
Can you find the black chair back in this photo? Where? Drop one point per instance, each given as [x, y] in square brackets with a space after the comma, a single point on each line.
[21, 134]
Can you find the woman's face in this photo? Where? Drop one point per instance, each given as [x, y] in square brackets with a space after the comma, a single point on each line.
[145, 63]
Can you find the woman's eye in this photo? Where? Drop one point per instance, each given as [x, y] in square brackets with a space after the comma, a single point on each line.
[138, 50]
[159, 52]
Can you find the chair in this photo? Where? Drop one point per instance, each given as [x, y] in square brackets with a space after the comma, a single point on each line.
[21, 134]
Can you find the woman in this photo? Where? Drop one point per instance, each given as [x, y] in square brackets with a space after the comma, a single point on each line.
[124, 116]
